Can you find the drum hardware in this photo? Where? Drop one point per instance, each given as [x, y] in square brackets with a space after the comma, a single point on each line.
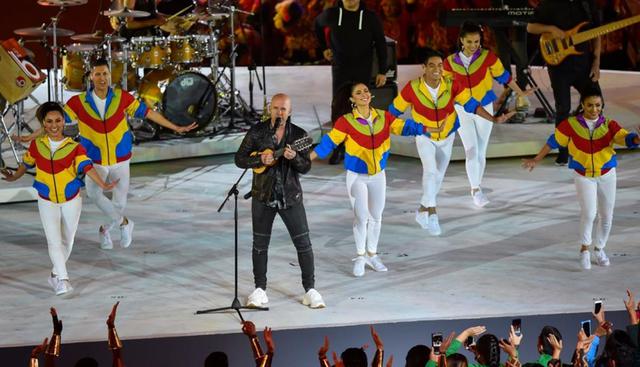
[98, 37]
[62, 3]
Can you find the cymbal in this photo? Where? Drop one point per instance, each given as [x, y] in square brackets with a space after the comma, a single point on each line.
[214, 16]
[81, 47]
[95, 37]
[179, 24]
[39, 32]
[62, 3]
[125, 13]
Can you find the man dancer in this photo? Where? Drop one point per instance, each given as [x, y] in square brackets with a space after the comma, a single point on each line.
[348, 33]
[579, 71]
[278, 191]
[104, 133]
[432, 98]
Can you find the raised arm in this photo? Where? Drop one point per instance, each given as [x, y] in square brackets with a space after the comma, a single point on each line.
[378, 359]
[53, 349]
[115, 344]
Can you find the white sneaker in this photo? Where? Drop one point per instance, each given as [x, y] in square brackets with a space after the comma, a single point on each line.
[105, 239]
[375, 263]
[257, 298]
[601, 258]
[358, 265]
[313, 299]
[585, 260]
[126, 234]
[479, 198]
[63, 287]
[434, 225]
[423, 219]
[53, 282]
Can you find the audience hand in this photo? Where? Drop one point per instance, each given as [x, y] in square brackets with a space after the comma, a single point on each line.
[39, 349]
[322, 352]
[249, 329]
[57, 324]
[376, 338]
[112, 316]
[268, 339]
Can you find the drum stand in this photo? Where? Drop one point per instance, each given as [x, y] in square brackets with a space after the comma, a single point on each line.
[57, 87]
[6, 133]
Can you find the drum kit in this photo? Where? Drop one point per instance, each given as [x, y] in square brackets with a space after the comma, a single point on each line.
[163, 69]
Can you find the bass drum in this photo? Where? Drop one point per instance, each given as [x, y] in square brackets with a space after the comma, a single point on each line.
[190, 97]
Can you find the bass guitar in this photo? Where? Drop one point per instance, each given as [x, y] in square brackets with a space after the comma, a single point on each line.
[298, 145]
[555, 50]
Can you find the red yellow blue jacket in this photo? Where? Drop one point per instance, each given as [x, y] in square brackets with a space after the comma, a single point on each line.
[107, 141]
[590, 153]
[424, 111]
[485, 66]
[366, 146]
[57, 174]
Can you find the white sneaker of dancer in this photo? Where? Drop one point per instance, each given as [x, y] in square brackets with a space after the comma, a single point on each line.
[257, 298]
[601, 258]
[375, 263]
[479, 198]
[585, 260]
[105, 239]
[313, 299]
[423, 219]
[358, 265]
[434, 225]
[126, 234]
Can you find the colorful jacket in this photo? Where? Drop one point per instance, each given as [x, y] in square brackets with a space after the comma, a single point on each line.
[590, 153]
[484, 68]
[366, 147]
[424, 111]
[107, 141]
[57, 174]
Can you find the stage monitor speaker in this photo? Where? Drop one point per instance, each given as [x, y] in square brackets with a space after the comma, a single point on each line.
[384, 95]
[392, 62]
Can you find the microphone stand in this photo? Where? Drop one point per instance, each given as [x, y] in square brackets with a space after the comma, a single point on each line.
[235, 304]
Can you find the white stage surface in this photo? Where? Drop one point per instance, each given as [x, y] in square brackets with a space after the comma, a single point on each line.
[519, 255]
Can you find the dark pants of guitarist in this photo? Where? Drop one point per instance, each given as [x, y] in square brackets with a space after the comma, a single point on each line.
[277, 190]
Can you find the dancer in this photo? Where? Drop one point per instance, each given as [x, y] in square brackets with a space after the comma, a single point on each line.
[365, 132]
[589, 137]
[101, 117]
[476, 68]
[431, 98]
[59, 163]
[277, 190]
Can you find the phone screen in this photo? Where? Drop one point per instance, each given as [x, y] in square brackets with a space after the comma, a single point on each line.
[597, 307]
[436, 342]
[586, 327]
[469, 342]
[517, 324]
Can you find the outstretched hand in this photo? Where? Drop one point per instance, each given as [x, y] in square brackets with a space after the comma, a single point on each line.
[447, 341]
[376, 338]
[8, 175]
[390, 361]
[39, 349]
[529, 164]
[111, 185]
[337, 362]
[112, 316]
[268, 339]
[513, 338]
[504, 117]
[185, 129]
[249, 329]
[322, 352]
[57, 324]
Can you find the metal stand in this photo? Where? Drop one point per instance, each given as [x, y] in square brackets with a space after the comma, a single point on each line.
[235, 304]
[6, 135]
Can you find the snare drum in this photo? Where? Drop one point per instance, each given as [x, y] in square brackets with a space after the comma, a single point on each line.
[150, 52]
[188, 49]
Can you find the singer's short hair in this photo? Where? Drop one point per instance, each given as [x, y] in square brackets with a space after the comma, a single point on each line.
[100, 62]
[429, 53]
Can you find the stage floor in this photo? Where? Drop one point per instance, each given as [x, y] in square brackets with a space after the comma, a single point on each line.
[519, 255]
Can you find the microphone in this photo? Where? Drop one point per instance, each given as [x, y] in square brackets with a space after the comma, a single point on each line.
[247, 195]
[276, 124]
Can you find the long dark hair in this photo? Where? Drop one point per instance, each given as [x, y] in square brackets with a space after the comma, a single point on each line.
[488, 350]
[469, 28]
[354, 357]
[592, 91]
[341, 104]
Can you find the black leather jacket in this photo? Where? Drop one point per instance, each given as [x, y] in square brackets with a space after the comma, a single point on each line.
[259, 138]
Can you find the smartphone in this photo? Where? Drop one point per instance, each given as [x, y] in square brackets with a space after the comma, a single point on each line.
[517, 326]
[597, 306]
[436, 342]
[586, 327]
[469, 342]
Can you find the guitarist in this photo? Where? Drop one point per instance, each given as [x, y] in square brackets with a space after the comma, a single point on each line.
[579, 71]
[278, 191]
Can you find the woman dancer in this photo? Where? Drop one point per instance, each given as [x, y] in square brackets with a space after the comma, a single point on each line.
[476, 68]
[589, 136]
[365, 132]
[59, 162]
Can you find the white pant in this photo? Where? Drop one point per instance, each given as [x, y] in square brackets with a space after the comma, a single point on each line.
[367, 195]
[475, 132]
[60, 222]
[114, 208]
[435, 157]
[597, 197]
